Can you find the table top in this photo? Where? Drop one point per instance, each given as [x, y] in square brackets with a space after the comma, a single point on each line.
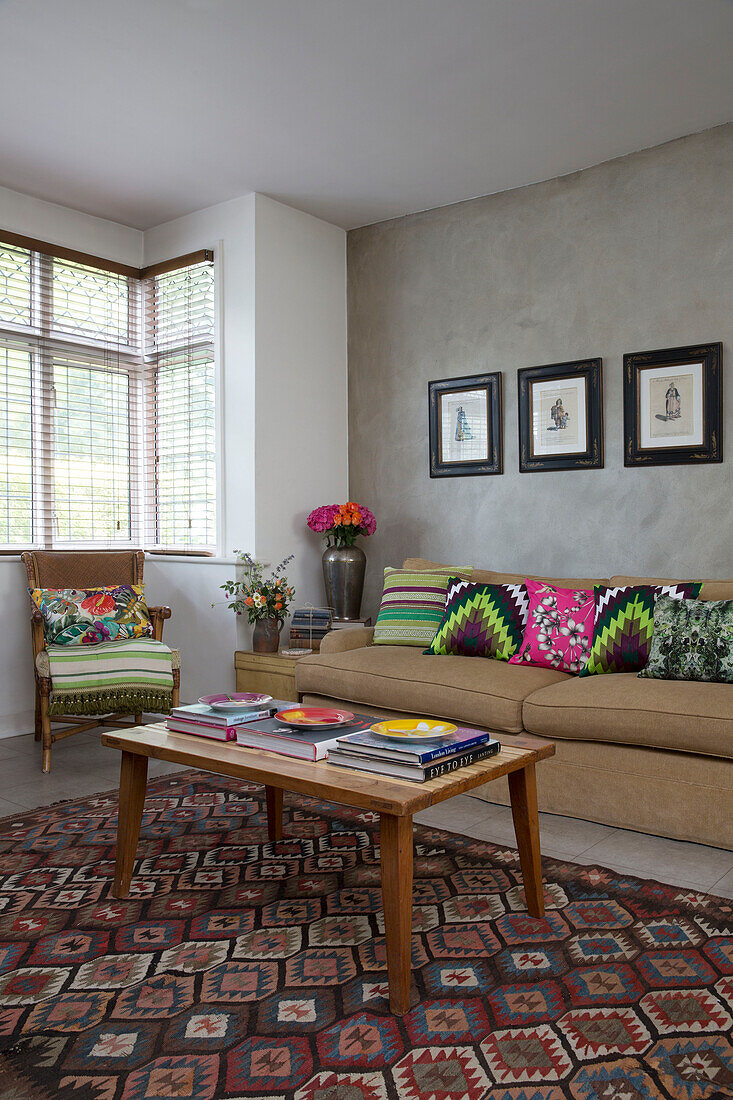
[365, 790]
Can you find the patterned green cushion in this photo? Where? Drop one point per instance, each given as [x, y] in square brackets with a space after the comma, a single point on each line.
[412, 605]
[693, 640]
[624, 625]
[75, 616]
[482, 620]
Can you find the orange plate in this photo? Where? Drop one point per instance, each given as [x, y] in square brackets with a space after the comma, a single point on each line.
[314, 717]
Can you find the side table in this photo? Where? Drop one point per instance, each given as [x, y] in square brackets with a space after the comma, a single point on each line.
[271, 673]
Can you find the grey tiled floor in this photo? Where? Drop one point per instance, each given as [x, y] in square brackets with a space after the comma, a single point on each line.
[81, 766]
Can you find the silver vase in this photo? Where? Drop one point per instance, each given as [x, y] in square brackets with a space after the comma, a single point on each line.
[343, 576]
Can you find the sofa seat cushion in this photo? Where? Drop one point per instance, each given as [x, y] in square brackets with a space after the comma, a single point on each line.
[681, 715]
[471, 690]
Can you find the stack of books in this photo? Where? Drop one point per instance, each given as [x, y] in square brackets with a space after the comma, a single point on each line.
[205, 722]
[418, 762]
[309, 626]
[274, 736]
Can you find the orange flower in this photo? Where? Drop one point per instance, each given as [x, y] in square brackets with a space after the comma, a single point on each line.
[249, 601]
[356, 517]
[278, 606]
[352, 507]
[346, 520]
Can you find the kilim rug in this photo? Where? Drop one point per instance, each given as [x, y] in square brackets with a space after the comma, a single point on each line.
[245, 969]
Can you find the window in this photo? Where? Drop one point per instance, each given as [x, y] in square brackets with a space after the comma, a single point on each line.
[179, 344]
[107, 429]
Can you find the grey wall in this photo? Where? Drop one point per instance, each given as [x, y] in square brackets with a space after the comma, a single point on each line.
[631, 255]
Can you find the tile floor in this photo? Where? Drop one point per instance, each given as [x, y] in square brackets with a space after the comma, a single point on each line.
[81, 766]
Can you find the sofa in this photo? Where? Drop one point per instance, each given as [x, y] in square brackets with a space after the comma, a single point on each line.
[651, 755]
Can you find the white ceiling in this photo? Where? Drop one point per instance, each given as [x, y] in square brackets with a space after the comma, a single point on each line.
[354, 110]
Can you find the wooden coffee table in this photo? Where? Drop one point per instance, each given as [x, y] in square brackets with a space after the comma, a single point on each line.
[395, 800]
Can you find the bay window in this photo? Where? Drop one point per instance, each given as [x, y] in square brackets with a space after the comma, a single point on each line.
[107, 402]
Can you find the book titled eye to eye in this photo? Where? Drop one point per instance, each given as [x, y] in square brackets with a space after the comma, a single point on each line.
[417, 773]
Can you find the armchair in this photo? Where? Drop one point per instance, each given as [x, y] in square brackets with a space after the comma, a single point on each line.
[81, 569]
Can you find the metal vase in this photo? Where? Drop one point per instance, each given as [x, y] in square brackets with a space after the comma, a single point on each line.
[343, 576]
[266, 635]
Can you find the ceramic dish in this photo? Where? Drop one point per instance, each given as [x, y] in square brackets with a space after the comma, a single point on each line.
[413, 729]
[314, 718]
[236, 701]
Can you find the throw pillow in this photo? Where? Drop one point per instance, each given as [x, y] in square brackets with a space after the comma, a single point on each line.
[482, 620]
[73, 616]
[559, 629]
[625, 624]
[412, 606]
[692, 640]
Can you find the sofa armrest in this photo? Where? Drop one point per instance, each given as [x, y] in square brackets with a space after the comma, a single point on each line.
[349, 637]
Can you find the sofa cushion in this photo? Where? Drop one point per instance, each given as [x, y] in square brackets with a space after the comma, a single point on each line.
[711, 590]
[490, 576]
[681, 715]
[473, 690]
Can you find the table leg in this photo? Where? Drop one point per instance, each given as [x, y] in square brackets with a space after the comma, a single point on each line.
[395, 842]
[274, 796]
[523, 794]
[133, 781]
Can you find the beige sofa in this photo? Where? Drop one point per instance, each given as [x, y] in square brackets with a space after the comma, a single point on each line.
[651, 755]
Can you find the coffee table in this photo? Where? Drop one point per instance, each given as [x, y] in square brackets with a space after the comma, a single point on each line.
[395, 800]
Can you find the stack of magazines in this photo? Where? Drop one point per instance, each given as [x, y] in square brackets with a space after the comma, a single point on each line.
[205, 722]
[418, 762]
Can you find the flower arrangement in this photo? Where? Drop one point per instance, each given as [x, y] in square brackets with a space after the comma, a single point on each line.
[259, 598]
[342, 522]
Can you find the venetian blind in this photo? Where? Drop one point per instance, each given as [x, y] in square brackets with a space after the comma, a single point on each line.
[79, 398]
[181, 437]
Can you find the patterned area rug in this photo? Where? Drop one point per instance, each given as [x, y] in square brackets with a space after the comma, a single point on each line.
[244, 969]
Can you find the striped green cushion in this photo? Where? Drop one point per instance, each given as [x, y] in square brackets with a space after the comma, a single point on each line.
[412, 605]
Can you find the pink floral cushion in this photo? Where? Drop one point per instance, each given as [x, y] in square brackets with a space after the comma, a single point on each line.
[559, 631]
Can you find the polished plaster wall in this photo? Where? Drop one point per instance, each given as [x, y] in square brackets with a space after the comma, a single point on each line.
[630, 255]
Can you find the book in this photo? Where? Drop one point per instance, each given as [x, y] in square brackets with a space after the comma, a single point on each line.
[274, 736]
[343, 624]
[415, 772]
[413, 751]
[203, 721]
[313, 645]
[199, 712]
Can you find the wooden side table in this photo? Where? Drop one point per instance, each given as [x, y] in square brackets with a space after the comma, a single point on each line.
[271, 673]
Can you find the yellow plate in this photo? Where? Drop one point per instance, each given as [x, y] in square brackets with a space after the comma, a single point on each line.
[413, 729]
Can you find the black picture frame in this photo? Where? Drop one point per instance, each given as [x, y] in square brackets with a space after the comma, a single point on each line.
[493, 463]
[591, 456]
[710, 447]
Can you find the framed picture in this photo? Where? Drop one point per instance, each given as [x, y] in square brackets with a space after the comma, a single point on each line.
[673, 406]
[561, 416]
[465, 426]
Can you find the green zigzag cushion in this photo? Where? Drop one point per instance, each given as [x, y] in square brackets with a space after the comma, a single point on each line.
[624, 625]
[482, 620]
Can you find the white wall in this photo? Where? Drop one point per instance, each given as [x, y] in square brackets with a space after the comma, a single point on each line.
[281, 302]
[282, 310]
[301, 391]
[69, 229]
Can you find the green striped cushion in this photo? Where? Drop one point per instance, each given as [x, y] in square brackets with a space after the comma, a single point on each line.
[412, 605]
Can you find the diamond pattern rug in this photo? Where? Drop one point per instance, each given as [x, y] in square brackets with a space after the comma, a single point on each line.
[240, 969]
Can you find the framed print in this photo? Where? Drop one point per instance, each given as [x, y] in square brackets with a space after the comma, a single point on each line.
[561, 416]
[465, 421]
[673, 406]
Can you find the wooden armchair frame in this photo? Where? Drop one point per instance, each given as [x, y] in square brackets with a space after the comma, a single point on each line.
[82, 569]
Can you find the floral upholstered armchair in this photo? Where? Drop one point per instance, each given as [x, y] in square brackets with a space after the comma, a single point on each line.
[98, 655]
